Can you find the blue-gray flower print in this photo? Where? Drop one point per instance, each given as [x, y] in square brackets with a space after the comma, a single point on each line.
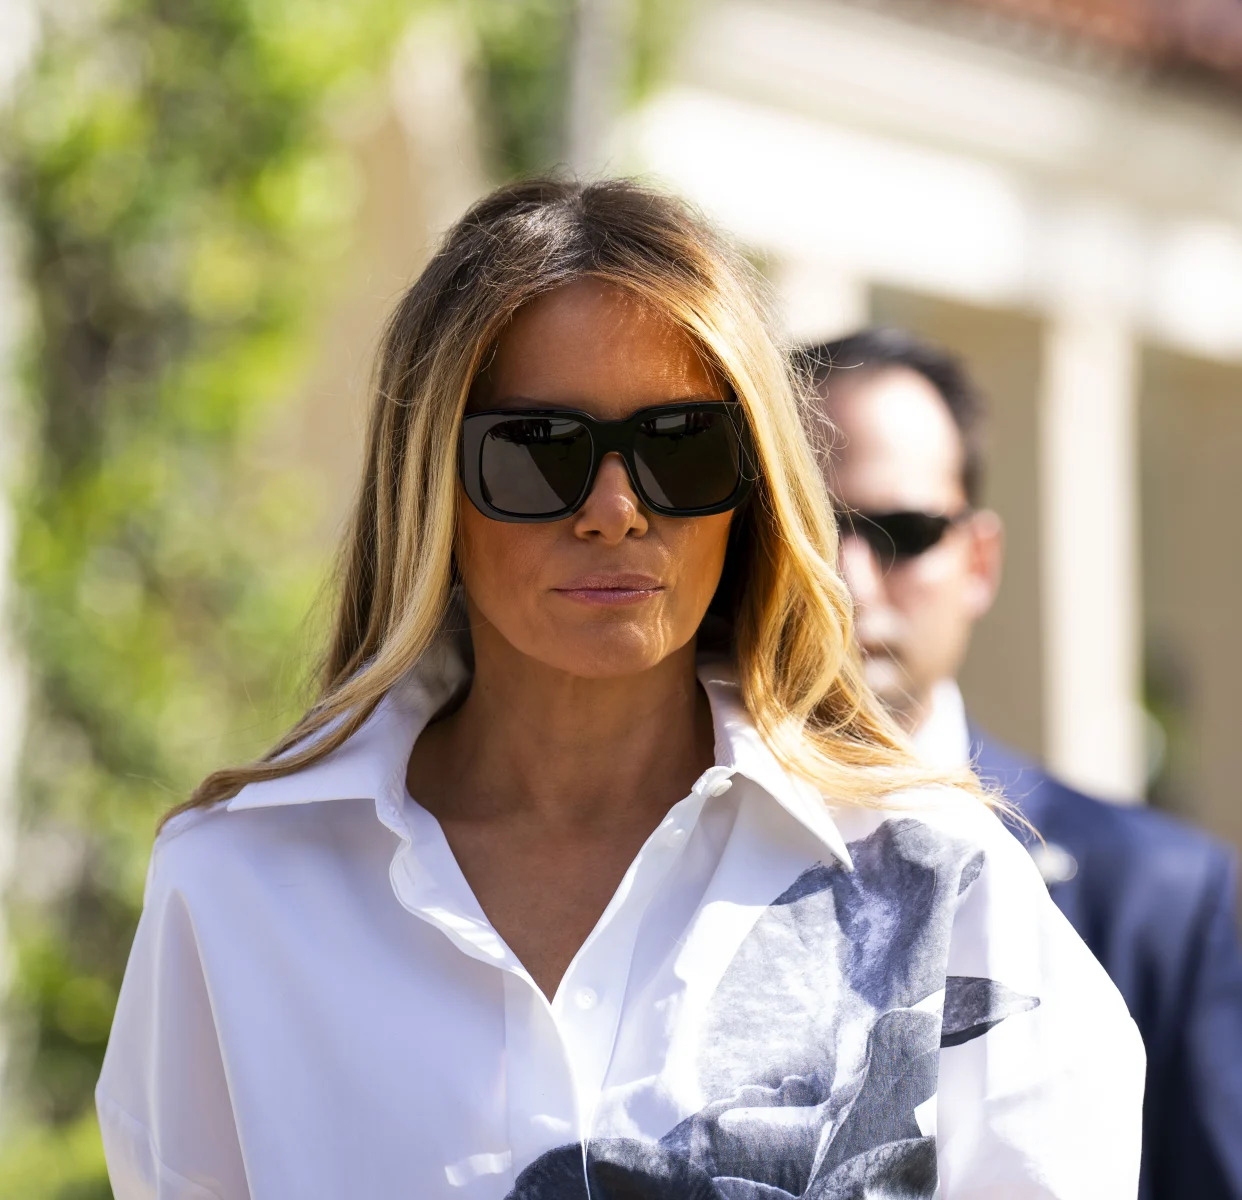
[823, 1039]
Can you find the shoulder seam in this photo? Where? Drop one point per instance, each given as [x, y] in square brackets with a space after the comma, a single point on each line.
[178, 825]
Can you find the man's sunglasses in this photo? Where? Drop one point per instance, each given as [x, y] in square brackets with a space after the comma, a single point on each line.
[896, 537]
[684, 460]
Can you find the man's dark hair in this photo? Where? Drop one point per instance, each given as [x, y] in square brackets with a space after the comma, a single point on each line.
[872, 350]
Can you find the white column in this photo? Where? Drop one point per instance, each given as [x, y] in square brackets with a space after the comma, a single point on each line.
[819, 300]
[1090, 537]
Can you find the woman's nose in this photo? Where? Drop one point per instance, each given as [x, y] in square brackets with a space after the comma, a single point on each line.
[612, 510]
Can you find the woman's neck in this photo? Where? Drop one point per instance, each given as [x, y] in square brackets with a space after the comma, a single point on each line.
[565, 749]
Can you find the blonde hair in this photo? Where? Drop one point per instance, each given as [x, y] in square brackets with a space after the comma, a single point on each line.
[788, 612]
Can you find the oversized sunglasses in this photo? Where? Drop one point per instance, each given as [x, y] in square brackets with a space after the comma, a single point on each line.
[896, 537]
[684, 460]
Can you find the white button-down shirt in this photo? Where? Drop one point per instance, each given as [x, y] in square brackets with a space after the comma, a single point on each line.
[781, 999]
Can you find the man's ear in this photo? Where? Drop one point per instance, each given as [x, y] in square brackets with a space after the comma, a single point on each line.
[986, 532]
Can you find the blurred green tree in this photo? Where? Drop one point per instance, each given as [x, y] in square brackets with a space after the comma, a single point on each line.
[522, 68]
[180, 197]
[178, 192]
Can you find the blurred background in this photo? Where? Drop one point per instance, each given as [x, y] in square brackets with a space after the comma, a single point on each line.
[210, 205]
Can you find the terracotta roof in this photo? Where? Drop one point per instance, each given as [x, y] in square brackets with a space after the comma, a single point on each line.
[1203, 34]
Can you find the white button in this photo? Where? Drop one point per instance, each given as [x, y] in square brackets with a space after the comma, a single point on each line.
[675, 837]
[586, 998]
[720, 787]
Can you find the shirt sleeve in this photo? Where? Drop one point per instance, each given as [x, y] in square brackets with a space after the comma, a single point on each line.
[162, 1097]
[1041, 1067]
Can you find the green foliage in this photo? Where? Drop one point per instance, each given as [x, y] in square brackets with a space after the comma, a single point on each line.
[62, 1162]
[523, 52]
[180, 197]
[656, 26]
[522, 64]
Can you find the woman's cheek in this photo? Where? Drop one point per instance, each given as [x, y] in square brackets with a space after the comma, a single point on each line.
[501, 563]
[702, 553]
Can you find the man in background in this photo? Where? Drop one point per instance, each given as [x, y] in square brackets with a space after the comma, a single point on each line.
[1152, 897]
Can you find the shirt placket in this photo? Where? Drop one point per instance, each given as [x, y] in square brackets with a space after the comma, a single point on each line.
[541, 1105]
[589, 1003]
[556, 1053]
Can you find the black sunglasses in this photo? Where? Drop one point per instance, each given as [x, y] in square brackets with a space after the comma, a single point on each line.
[896, 537]
[684, 460]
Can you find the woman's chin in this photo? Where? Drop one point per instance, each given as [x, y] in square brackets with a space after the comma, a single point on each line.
[604, 652]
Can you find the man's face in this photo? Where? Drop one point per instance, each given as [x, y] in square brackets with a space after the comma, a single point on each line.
[897, 450]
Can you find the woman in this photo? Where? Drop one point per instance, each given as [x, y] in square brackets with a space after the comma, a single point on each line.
[596, 870]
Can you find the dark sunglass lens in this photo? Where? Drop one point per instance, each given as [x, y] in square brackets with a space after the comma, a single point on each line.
[914, 533]
[894, 537]
[688, 459]
[531, 466]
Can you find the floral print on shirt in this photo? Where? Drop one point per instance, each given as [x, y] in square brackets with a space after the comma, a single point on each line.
[823, 1039]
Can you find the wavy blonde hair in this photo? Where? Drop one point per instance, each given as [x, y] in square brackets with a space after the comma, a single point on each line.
[788, 613]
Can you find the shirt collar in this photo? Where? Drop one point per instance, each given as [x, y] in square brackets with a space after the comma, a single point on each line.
[371, 764]
[943, 739]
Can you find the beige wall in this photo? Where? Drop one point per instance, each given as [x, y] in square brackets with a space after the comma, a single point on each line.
[385, 252]
[414, 151]
[1191, 454]
[1002, 678]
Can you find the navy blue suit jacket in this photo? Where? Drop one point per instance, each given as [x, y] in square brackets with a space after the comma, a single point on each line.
[1155, 900]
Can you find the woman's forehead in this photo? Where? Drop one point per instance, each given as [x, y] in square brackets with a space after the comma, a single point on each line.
[591, 344]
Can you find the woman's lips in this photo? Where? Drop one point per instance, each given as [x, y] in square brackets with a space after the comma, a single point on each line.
[610, 589]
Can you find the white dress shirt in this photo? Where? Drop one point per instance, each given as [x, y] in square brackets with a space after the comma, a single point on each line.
[782, 999]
